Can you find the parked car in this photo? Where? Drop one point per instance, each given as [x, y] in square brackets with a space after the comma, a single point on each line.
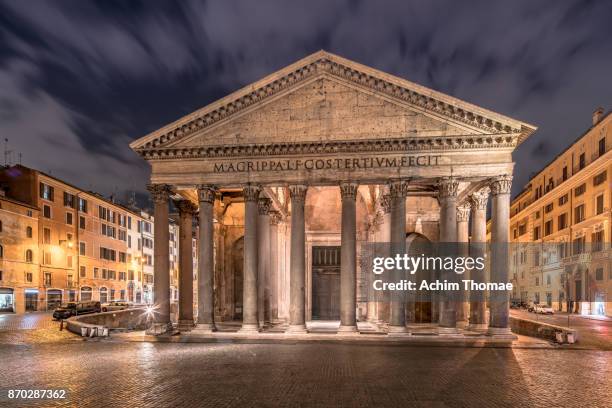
[517, 304]
[113, 306]
[69, 309]
[544, 309]
[531, 306]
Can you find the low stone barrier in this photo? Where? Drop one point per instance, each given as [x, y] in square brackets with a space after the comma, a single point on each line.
[99, 324]
[542, 330]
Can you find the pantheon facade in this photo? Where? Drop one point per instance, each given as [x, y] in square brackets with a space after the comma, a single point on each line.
[289, 177]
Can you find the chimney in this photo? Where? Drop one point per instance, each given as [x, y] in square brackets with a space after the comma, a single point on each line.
[597, 115]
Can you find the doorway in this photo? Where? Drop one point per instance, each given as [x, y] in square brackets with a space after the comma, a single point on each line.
[326, 283]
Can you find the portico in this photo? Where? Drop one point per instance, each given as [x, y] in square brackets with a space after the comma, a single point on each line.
[317, 160]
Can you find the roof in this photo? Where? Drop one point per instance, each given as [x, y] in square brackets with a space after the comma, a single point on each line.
[326, 63]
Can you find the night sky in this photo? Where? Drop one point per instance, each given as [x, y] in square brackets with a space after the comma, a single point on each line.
[79, 80]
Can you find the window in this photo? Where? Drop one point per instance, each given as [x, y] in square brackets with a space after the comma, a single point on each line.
[103, 295]
[600, 178]
[548, 208]
[599, 204]
[81, 222]
[562, 221]
[83, 271]
[579, 214]
[581, 161]
[578, 191]
[0, 226]
[536, 258]
[122, 276]
[578, 246]
[69, 280]
[514, 233]
[599, 274]
[108, 254]
[129, 241]
[29, 255]
[548, 280]
[112, 294]
[561, 250]
[69, 218]
[122, 257]
[537, 281]
[82, 205]
[131, 275]
[1, 251]
[29, 277]
[602, 146]
[46, 192]
[104, 274]
[564, 177]
[30, 213]
[46, 236]
[29, 232]
[0, 275]
[563, 199]
[537, 215]
[522, 229]
[82, 248]
[47, 278]
[96, 273]
[548, 228]
[536, 233]
[46, 211]
[597, 241]
[122, 235]
[47, 258]
[69, 200]
[129, 222]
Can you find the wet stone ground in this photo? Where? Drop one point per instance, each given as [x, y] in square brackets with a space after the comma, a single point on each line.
[98, 373]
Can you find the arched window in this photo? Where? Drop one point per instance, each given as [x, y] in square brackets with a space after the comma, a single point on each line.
[29, 255]
[29, 232]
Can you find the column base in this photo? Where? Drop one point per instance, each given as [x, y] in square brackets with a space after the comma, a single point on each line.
[205, 328]
[501, 332]
[159, 328]
[398, 331]
[185, 325]
[249, 328]
[462, 324]
[478, 327]
[345, 329]
[449, 331]
[296, 329]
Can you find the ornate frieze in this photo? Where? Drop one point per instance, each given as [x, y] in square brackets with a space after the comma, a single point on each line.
[298, 192]
[159, 192]
[327, 64]
[385, 202]
[447, 187]
[348, 191]
[206, 193]
[463, 212]
[263, 205]
[479, 199]
[251, 192]
[501, 185]
[334, 147]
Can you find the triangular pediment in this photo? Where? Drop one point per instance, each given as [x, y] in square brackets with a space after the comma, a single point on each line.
[328, 98]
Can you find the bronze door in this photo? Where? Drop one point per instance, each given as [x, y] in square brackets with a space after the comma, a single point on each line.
[326, 283]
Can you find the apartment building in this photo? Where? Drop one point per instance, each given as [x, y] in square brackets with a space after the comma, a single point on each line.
[560, 227]
[19, 260]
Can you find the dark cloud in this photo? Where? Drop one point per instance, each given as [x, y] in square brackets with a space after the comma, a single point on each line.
[80, 79]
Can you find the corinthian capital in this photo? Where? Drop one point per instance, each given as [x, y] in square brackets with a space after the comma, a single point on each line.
[263, 205]
[348, 191]
[385, 202]
[206, 193]
[298, 192]
[480, 198]
[251, 192]
[398, 188]
[447, 187]
[159, 192]
[186, 207]
[501, 185]
[463, 212]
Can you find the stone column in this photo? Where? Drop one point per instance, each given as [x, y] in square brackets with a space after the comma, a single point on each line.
[462, 306]
[274, 260]
[385, 236]
[499, 300]
[447, 197]
[161, 256]
[398, 192]
[478, 305]
[297, 278]
[186, 211]
[250, 315]
[206, 312]
[348, 258]
[263, 264]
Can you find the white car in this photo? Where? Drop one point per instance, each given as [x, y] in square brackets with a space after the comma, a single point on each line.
[543, 309]
[113, 306]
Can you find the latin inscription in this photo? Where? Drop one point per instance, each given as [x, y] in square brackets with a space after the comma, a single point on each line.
[327, 164]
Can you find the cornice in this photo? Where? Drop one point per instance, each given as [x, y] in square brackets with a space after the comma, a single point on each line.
[321, 64]
[416, 144]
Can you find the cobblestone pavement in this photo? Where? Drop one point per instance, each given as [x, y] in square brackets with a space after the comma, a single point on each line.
[32, 328]
[100, 373]
[592, 333]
